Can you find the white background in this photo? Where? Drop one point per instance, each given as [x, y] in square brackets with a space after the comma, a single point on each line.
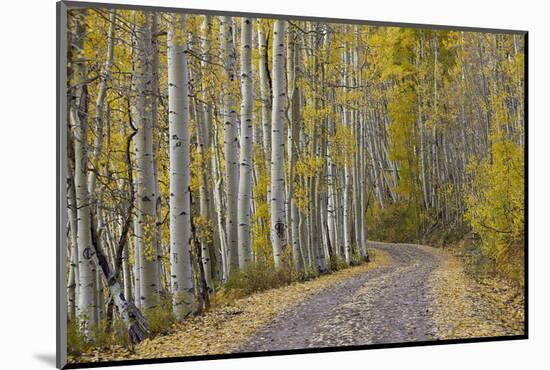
[27, 194]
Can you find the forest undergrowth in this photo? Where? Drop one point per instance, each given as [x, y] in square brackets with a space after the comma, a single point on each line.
[238, 308]
[471, 303]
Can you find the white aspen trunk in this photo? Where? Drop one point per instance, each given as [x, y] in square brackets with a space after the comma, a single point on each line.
[331, 205]
[324, 229]
[245, 165]
[78, 122]
[315, 242]
[100, 296]
[230, 142]
[312, 248]
[266, 98]
[378, 153]
[392, 167]
[347, 217]
[257, 128]
[257, 139]
[155, 93]
[303, 238]
[126, 276]
[218, 205]
[362, 186]
[331, 201]
[107, 230]
[104, 232]
[436, 181]
[320, 151]
[211, 266]
[159, 252]
[99, 299]
[294, 116]
[94, 311]
[86, 303]
[183, 290]
[265, 93]
[362, 189]
[339, 211]
[258, 154]
[100, 102]
[313, 230]
[355, 185]
[137, 268]
[146, 199]
[132, 317]
[297, 252]
[355, 164]
[346, 205]
[72, 285]
[278, 218]
[204, 195]
[303, 241]
[322, 198]
[135, 322]
[71, 282]
[424, 140]
[96, 155]
[137, 244]
[375, 170]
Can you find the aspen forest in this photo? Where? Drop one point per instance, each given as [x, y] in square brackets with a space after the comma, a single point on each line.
[245, 184]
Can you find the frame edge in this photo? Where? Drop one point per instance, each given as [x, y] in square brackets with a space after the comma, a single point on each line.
[61, 242]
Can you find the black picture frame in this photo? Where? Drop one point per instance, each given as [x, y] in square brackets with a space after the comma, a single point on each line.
[61, 219]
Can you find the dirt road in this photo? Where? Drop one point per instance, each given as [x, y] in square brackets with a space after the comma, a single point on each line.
[389, 304]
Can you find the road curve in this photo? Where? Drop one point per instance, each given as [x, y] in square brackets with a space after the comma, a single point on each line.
[390, 304]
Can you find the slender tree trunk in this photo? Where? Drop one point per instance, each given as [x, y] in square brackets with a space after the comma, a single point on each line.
[355, 185]
[218, 204]
[100, 296]
[245, 165]
[183, 289]
[100, 102]
[126, 276]
[265, 92]
[204, 194]
[78, 116]
[72, 285]
[146, 197]
[230, 142]
[211, 254]
[294, 117]
[347, 175]
[278, 218]
[347, 217]
[360, 156]
[137, 268]
[130, 315]
[331, 186]
[363, 190]
[155, 94]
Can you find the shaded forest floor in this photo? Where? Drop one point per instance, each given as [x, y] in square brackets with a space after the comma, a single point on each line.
[408, 293]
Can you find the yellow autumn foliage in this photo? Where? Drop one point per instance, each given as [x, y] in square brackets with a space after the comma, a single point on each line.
[496, 205]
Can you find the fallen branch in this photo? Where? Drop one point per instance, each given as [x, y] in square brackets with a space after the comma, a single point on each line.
[129, 313]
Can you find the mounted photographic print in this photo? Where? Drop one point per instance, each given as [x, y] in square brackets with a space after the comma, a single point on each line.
[236, 184]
